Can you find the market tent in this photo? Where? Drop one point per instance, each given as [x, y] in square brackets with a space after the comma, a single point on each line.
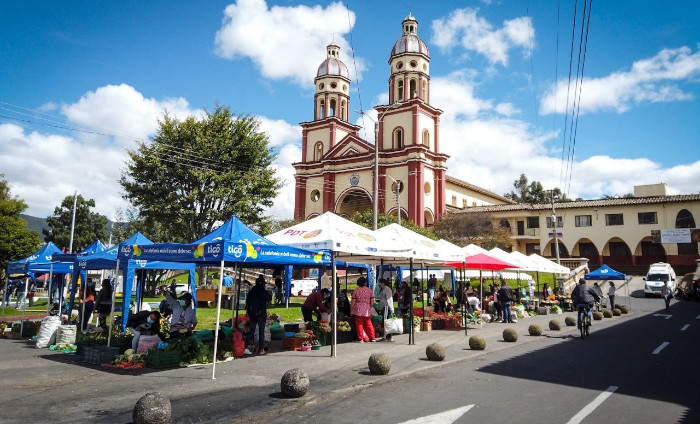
[422, 248]
[605, 273]
[473, 249]
[42, 255]
[548, 265]
[108, 259]
[527, 263]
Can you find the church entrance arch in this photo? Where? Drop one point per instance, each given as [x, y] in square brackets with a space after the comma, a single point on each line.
[352, 201]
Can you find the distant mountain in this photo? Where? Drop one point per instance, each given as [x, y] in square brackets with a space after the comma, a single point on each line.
[35, 223]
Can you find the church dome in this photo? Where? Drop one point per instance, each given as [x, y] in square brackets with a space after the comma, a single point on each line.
[333, 66]
[409, 42]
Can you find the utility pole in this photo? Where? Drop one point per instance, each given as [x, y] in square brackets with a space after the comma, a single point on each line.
[72, 225]
[554, 227]
[398, 197]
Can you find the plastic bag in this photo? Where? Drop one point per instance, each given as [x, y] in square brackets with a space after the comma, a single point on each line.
[147, 342]
[65, 334]
[47, 331]
[393, 326]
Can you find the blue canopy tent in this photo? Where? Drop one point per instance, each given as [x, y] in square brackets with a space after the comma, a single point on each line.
[605, 273]
[232, 243]
[108, 259]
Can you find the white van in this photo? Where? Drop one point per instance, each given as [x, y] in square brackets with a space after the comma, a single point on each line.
[304, 287]
[656, 276]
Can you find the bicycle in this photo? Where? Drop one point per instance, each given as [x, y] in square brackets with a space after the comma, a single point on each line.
[585, 323]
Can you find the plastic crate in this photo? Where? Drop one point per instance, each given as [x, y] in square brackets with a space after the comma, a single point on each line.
[163, 358]
[293, 328]
[97, 355]
[293, 343]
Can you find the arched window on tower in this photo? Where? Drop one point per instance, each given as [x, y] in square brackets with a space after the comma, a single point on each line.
[424, 90]
[426, 138]
[321, 109]
[413, 88]
[318, 151]
[398, 139]
[343, 111]
[399, 88]
[331, 112]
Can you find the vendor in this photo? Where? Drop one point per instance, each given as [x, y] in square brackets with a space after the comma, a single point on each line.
[144, 322]
[183, 319]
[442, 302]
[103, 303]
[315, 303]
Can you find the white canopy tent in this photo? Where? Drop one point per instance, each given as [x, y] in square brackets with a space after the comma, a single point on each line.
[423, 249]
[472, 249]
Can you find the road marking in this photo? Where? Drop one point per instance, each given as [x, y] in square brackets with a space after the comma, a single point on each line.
[685, 327]
[663, 315]
[592, 406]
[660, 348]
[447, 417]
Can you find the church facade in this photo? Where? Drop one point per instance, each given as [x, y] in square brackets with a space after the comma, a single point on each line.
[336, 171]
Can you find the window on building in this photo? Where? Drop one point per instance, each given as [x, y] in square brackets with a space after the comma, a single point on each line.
[550, 221]
[647, 218]
[531, 248]
[318, 151]
[413, 88]
[533, 222]
[399, 88]
[454, 201]
[398, 139]
[315, 195]
[614, 219]
[321, 109]
[332, 110]
[426, 138]
[583, 220]
[685, 219]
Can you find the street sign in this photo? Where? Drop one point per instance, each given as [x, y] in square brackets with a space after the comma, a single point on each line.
[552, 234]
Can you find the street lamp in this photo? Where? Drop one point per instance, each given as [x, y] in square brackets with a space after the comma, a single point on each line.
[398, 198]
[375, 200]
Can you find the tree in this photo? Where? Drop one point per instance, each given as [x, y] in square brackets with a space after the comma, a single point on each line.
[472, 227]
[16, 241]
[89, 226]
[196, 173]
[534, 192]
[365, 219]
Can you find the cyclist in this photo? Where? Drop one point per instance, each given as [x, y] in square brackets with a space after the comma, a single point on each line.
[583, 298]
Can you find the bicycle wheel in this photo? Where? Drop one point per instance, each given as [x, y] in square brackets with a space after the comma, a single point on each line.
[583, 328]
[588, 326]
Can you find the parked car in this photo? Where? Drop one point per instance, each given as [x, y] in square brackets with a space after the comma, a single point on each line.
[657, 275]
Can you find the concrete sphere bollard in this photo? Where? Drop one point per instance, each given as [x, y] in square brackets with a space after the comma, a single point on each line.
[477, 343]
[616, 312]
[294, 383]
[624, 309]
[597, 316]
[570, 321]
[554, 325]
[607, 314]
[534, 330]
[379, 363]
[510, 335]
[152, 408]
[435, 352]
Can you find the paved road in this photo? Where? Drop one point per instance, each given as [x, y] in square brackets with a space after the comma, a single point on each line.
[545, 379]
[640, 371]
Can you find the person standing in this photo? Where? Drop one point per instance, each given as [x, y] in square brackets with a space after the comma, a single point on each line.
[103, 303]
[88, 302]
[386, 301]
[599, 291]
[667, 295]
[611, 295]
[361, 307]
[432, 285]
[279, 295]
[505, 296]
[256, 308]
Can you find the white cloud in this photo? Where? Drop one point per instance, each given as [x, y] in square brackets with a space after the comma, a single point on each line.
[123, 112]
[285, 42]
[648, 80]
[474, 33]
[280, 131]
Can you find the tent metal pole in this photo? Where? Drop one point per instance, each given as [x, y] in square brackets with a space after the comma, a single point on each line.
[234, 305]
[481, 295]
[48, 302]
[5, 297]
[411, 335]
[238, 295]
[465, 301]
[26, 286]
[218, 320]
[422, 268]
[111, 312]
[82, 314]
[334, 324]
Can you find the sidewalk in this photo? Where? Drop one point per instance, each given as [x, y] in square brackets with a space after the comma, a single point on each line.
[248, 387]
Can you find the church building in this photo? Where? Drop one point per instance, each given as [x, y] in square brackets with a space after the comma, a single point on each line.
[336, 171]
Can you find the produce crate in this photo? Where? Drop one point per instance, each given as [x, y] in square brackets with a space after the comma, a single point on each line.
[293, 343]
[426, 326]
[163, 358]
[543, 310]
[294, 328]
[98, 354]
[324, 338]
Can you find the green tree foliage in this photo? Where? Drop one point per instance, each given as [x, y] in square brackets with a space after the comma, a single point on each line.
[16, 241]
[472, 227]
[365, 219]
[196, 173]
[89, 226]
[533, 192]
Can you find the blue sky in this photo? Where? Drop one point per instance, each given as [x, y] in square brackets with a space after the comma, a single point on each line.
[81, 81]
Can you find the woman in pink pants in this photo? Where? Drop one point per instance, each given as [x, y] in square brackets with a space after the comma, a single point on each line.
[361, 306]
